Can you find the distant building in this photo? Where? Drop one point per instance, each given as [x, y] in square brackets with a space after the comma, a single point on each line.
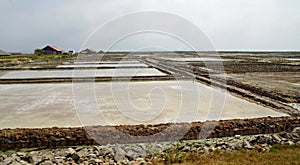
[4, 53]
[52, 50]
[15, 53]
[88, 51]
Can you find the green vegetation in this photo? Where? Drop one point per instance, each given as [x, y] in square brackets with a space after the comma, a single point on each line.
[31, 60]
[278, 154]
[173, 155]
[38, 57]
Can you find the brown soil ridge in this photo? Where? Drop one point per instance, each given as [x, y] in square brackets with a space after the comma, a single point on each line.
[55, 137]
[85, 79]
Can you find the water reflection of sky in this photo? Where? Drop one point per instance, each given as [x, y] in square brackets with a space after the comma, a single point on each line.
[102, 65]
[196, 59]
[82, 73]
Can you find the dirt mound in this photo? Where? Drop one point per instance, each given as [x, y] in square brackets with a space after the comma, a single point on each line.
[54, 137]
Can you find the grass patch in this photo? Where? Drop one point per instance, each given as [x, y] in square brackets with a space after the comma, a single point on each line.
[32, 60]
[278, 154]
[32, 57]
[173, 154]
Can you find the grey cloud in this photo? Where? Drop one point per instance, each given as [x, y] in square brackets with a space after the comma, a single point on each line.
[230, 24]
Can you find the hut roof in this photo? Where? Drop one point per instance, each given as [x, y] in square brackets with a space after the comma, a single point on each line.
[2, 52]
[54, 48]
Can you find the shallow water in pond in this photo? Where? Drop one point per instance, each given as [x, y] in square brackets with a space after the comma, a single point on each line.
[114, 103]
[27, 74]
[121, 65]
[197, 59]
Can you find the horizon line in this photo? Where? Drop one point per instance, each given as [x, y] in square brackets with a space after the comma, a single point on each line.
[204, 51]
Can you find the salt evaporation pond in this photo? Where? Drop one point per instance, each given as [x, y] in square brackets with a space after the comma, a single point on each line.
[106, 62]
[196, 59]
[114, 103]
[118, 65]
[293, 59]
[29, 74]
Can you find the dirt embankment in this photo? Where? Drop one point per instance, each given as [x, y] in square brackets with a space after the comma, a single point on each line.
[54, 137]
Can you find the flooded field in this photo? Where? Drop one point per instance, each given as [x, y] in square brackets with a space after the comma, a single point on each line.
[204, 59]
[114, 103]
[117, 65]
[103, 65]
[104, 62]
[28, 74]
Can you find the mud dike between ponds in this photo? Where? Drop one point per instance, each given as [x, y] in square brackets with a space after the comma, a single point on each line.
[55, 137]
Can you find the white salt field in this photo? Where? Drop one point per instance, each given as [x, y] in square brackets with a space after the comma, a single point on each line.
[204, 59]
[293, 59]
[114, 103]
[118, 65]
[105, 62]
[29, 74]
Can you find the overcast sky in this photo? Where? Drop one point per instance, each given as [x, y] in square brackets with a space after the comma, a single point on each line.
[228, 24]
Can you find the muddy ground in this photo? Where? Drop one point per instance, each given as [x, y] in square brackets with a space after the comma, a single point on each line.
[273, 77]
[55, 137]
